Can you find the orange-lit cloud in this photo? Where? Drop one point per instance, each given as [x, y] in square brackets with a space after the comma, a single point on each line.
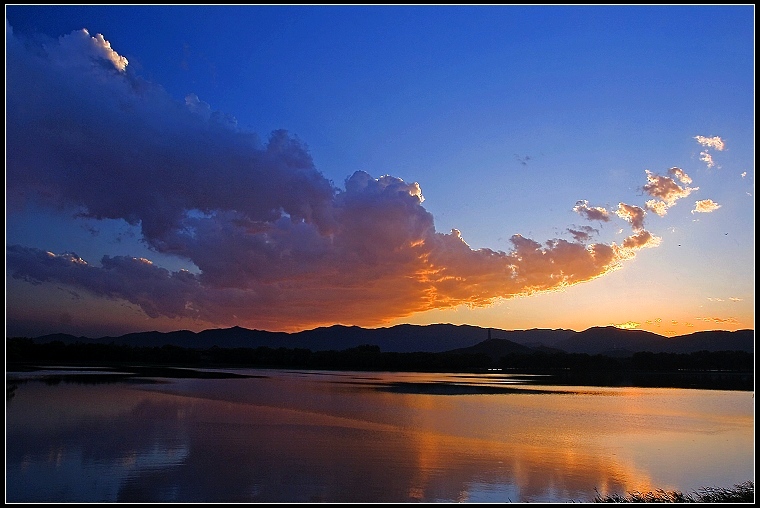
[666, 190]
[361, 280]
[591, 213]
[641, 239]
[705, 206]
[633, 214]
[658, 207]
[734, 299]
[680, 174]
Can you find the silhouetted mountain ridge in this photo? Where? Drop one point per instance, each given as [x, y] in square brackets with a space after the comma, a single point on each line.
[438, 338]
[607, 339]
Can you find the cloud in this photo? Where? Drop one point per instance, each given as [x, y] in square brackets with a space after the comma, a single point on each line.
[706, 157]
[640, 240]
[731, 299]
[680, 174]
[591, 213]
[633, 214]
[583, 233]
[666, 190]
[730, 320]
[276, 244]
[658, 207]
[80, 49]
[705, 206]
[713, 142]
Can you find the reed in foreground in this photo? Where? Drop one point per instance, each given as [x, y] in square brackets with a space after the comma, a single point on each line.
[740, 493]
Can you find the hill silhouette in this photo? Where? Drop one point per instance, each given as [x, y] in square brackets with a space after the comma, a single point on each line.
[613, 341]
[437, 338]
[495, 348]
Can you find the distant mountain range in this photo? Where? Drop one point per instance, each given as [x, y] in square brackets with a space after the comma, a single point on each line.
[439, 338]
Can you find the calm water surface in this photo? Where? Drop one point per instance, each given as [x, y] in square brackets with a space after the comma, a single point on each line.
[365, 437]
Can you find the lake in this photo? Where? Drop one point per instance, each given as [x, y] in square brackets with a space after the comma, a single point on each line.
[319, 436]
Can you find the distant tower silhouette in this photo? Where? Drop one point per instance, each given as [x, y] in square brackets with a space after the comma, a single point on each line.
[489, 334]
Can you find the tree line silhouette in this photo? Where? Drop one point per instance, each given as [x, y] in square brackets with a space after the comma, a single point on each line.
[703, 369]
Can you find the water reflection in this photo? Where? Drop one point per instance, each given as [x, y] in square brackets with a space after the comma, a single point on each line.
[344, 437]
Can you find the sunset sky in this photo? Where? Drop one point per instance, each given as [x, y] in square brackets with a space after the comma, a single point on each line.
[284, 168]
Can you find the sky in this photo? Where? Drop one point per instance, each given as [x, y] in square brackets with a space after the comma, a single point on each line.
[288, 167]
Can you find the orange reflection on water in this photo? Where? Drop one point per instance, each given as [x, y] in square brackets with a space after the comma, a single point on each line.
[380, 437]
[569, 472]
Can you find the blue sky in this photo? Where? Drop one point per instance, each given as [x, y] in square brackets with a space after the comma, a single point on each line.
[537, 121]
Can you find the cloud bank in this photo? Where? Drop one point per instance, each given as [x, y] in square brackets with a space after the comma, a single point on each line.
[276, 244]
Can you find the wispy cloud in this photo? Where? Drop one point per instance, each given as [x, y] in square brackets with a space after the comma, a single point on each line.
[719, 320]
[582, 233]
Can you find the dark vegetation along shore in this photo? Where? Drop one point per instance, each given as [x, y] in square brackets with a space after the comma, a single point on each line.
[740, 493]
[726, 370]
